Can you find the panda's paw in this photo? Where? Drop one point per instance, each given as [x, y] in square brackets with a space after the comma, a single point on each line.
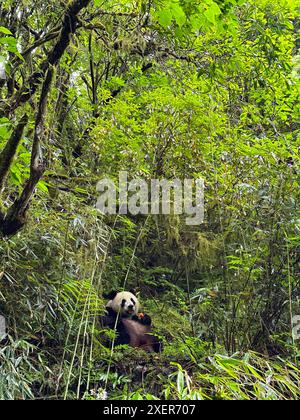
[144, 319]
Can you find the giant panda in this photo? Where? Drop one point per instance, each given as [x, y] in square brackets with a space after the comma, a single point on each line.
[132, 328]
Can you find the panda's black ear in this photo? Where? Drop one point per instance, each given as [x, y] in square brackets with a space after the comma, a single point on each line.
[133, 291]
[111, 295]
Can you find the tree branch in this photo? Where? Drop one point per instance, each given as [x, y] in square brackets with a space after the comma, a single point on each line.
[31, 85]
[77, 151]
[8, 153]
[16, 215]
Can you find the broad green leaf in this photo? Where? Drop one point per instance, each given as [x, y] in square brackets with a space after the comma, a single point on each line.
[212, 12]
[42, 186]
[8, 40]
[16, 175]
[11, 45]
[165, 18]
[4, 128]
[4, 133]
[178, 14]
[5, 31]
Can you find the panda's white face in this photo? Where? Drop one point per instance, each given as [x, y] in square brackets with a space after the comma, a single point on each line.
[124, 303]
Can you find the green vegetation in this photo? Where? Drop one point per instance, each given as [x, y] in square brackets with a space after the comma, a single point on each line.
[160, 89]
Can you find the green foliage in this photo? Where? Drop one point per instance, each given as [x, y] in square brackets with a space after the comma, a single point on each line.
[191, 17]
[166, 89]
[4, 130]
[8, 43]
[16, 370]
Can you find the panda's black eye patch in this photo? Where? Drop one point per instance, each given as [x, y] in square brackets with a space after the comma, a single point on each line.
[133, 301]
[123, 303]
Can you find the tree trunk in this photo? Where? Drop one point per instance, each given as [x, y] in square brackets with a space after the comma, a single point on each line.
[8, 153]
[16, 215]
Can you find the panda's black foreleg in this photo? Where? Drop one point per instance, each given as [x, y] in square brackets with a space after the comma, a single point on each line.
[157, 345]
[144, 320]
[123, 336]
[107, 321]
[110, 321]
